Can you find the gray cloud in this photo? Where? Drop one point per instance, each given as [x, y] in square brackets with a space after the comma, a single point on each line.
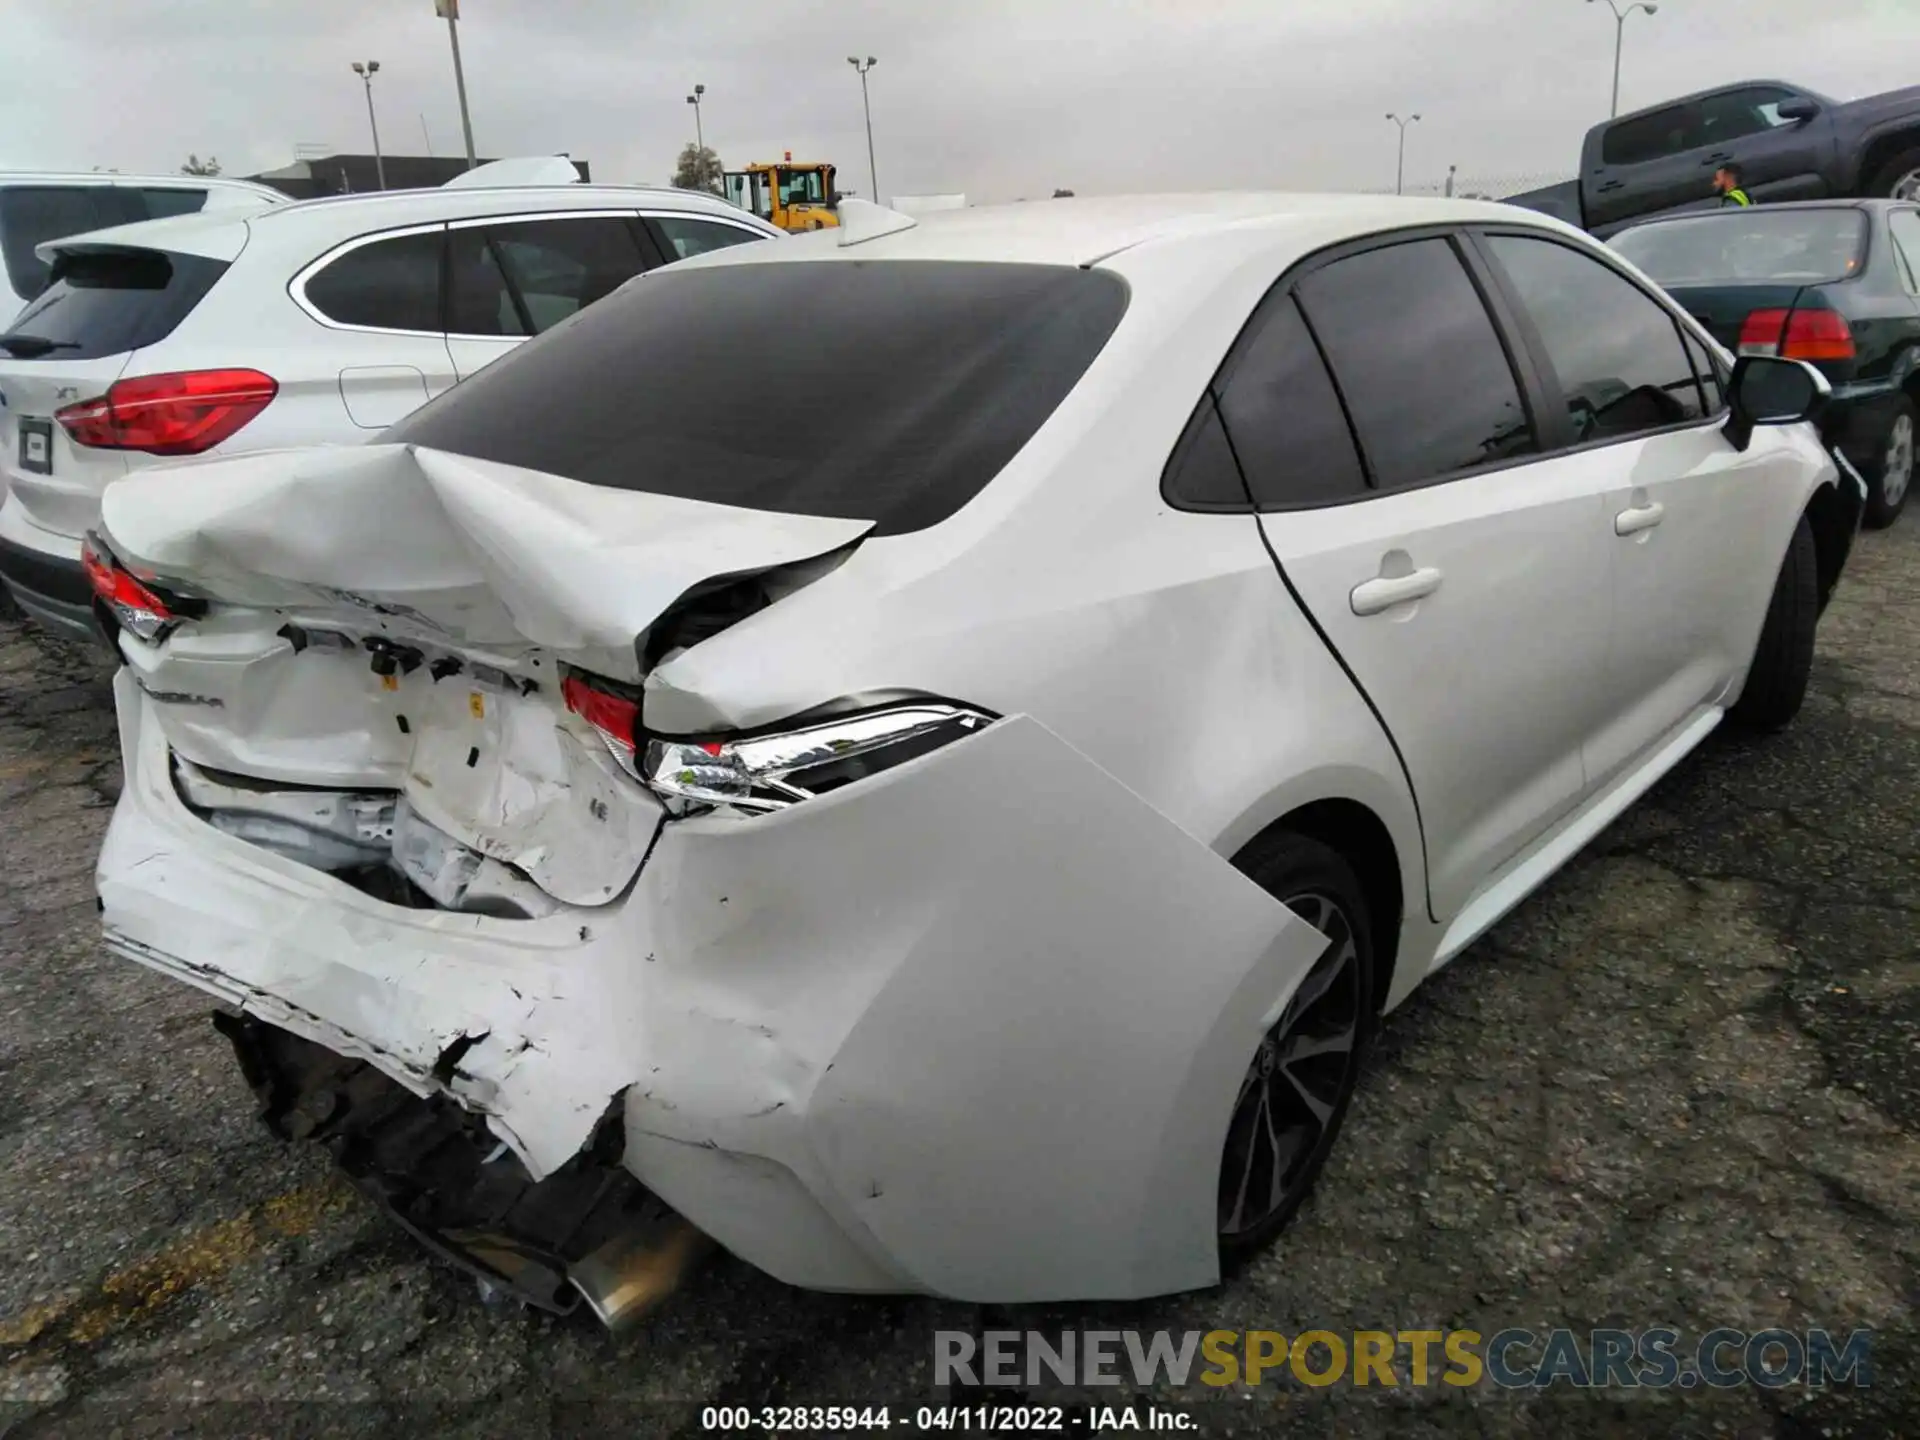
[999, 98]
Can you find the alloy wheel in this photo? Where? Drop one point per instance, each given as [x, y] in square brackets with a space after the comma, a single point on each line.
[1907, 187]
[1896, 470]
[1293, 1086]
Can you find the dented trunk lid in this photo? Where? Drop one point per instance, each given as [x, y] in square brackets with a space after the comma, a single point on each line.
[394, 621]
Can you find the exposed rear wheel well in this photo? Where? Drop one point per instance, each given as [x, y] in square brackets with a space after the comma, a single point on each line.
[1363, 842]
[1827, 516]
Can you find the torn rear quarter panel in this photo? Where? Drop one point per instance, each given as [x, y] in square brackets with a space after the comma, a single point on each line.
[972, 1027]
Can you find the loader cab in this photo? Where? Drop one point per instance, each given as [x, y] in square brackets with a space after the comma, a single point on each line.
[795, 197]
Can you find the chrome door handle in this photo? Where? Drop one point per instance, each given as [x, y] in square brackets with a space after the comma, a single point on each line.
[1640, 517]
[1384, 592]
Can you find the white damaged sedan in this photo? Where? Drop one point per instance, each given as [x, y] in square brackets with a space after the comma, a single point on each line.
[921, 754]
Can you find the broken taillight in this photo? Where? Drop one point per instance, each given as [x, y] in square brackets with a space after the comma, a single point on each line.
[184, 413]
[132, 604]
[1797, 335]
[769, 771]
[616, 717]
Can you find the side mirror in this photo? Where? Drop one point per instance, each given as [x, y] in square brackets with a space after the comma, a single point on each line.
[1767, 390]
[1799, 109]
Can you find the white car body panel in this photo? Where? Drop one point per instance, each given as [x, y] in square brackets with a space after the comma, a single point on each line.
[767, 1052]
[970, 1026]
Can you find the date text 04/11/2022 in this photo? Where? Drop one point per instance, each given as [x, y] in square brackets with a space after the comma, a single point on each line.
[986, 1419]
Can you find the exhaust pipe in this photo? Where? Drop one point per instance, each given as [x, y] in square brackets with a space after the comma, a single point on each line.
[627, 1277]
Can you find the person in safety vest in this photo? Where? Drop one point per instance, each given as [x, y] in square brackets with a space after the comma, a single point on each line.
[1726, 181]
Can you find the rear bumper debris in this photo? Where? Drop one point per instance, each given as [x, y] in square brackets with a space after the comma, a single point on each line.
[588, 1230]
[905, 1037]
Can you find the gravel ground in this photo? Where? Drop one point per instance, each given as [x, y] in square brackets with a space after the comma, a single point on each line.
[1678, 1086]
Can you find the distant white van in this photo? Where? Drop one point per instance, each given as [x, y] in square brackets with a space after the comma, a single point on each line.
[35, 208]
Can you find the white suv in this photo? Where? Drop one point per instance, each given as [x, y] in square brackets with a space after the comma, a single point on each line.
[321, 322]
[36, 208]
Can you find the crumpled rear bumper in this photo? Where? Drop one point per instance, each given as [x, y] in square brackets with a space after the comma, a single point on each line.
[972, 1027]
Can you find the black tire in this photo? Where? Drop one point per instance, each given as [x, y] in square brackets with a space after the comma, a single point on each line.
[1880, 511]
[1894, 171]
[1782, 661]
[1302, 873]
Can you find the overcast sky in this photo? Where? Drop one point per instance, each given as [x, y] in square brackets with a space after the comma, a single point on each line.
[1001, 99]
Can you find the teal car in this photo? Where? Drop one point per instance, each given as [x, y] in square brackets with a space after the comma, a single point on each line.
[1833, 282]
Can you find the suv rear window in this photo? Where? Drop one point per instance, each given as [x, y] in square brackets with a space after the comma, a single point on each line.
[1805, 247]
[107, 302]
[890, 391]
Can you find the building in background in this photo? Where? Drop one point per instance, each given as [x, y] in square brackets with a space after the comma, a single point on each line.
[307, 178]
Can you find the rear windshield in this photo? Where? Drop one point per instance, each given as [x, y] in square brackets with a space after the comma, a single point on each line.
[1807, 247]
[890, 391]
[106, 302]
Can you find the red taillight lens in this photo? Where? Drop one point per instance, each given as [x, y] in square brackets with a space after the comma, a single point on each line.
[135, 606]
[614, 716]
[1760, 335]
[1797, 335]
[179, 414]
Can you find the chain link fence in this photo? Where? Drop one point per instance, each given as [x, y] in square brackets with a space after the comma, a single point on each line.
[1477, 187]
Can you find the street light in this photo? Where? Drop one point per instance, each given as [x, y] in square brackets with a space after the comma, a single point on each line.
[866, 105]
[449, 11]
[366, 73]
[1400, 170]
[1620, 34]
[699, 135]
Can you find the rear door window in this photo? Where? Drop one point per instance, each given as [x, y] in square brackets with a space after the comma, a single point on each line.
[1284, 417]
[890, 391]
[30, 215]
[109, 302]
[559, 267]
[684, 236]
[391, 284]
[1418, 361]
[1621, 363]
[479, 299]
[1650, 137]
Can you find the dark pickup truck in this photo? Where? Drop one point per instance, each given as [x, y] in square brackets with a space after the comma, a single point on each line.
[1789, 143]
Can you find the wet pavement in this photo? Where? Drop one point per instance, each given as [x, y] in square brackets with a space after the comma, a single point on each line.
[1681, 1086]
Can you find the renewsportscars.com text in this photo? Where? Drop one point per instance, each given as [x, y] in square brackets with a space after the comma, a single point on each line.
[1657, 1357]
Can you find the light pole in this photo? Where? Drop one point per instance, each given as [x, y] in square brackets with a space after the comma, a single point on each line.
[366, 73]
[1619, 35]
[866, 105]
[1400, 169]
[699, 134]
[449, 10]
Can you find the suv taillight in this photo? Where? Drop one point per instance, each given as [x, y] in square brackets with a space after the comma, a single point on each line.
[1797, 335]
[185, 413]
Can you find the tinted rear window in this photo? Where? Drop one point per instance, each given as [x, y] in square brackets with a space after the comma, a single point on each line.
[108, 302]
[890, 391]
[1807, 247]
